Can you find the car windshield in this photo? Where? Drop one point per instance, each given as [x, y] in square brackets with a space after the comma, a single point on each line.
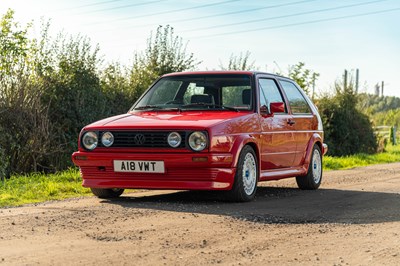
[199, 92]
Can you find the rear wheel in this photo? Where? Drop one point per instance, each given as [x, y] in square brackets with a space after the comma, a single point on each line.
[314, 175]
[245, 184]
[107, 193]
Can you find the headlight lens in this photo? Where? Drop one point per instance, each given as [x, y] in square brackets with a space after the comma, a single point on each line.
[174, 139]
[198, 141]
[107, 139]
[90, 140]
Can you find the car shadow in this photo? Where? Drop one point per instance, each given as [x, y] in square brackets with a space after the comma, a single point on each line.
[279, 205]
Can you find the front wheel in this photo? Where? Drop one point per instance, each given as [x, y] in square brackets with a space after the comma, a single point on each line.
[245, 184]
[313, 178]
[107, 193]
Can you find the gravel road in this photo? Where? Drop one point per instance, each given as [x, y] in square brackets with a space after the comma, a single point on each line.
[353, 219]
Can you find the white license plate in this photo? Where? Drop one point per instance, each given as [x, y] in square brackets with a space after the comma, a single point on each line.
[139, 166]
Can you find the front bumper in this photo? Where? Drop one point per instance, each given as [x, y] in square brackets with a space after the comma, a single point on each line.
[182, 171]
[324, 148]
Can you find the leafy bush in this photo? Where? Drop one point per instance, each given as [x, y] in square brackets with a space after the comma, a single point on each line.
[72, 94]
[116, 89]
[347, 130]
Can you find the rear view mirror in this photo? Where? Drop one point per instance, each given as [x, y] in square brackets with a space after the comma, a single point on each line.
[278, 107]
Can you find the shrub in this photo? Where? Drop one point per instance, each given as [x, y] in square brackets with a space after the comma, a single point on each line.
[347, 130]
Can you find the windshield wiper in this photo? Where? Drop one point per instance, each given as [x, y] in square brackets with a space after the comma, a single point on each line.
[211, 105]
[147, 107]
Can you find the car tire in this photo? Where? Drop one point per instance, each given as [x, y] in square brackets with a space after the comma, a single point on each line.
[107, 193]
[313, 179]
[246, 178]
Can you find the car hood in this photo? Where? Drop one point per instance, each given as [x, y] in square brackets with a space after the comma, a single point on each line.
[160, 120]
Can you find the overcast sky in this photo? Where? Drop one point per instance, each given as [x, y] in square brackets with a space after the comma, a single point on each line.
[329, 36]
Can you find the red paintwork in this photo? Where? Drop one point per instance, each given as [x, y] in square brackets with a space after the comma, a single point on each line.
[166, 120]
[284, 150]
[277, 107]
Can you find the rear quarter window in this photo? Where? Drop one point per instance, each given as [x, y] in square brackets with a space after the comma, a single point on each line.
[298, 104]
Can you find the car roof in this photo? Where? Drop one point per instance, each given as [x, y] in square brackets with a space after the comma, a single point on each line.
[222, 72]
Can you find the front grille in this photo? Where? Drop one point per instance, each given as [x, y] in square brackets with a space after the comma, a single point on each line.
[143, 139]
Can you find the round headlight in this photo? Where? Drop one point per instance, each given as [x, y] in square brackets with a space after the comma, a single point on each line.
[198, 141]
[174, 139]
[89, 140]
[107, 139]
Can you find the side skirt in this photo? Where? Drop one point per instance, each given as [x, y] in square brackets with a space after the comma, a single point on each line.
[277, 174]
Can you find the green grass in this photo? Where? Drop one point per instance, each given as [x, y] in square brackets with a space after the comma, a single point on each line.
[33, 188]
[391, 155]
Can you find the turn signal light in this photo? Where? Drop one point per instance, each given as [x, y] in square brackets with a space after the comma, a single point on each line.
[199, 159]
[81, 158]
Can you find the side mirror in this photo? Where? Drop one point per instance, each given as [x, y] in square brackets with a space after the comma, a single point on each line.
[264, 110]
[278, 107]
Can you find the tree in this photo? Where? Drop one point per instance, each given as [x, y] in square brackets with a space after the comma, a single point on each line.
[24, 119]
[304, 77]
[239, 62]
[165, 53]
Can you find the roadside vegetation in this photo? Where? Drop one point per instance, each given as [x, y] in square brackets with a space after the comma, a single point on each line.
[50, 87]
[391, 155]
[36, 187]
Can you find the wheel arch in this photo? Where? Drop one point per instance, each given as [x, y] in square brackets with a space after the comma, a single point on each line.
[241, 143]
[316, 139]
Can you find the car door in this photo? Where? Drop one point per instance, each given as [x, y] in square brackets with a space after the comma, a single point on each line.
[278, 146]
[303, 118]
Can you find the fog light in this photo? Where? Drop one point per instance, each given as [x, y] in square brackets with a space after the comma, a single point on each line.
[107, 139]
[174, 139]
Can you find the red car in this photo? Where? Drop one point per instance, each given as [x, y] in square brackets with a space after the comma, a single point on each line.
[219, 130]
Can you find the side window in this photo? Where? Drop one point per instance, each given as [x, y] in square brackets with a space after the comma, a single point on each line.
[270, 91]
[297, 102]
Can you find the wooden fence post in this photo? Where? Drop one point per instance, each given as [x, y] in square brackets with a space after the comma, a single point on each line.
[393, 135]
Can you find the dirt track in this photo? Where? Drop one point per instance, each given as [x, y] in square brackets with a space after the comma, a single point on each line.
[354, 219]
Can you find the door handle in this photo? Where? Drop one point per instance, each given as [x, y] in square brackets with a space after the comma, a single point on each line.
[291, 122]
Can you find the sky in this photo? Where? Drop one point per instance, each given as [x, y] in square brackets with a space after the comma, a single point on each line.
[328, 36]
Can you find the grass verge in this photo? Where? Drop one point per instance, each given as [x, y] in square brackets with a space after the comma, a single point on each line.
[33, 188]
[391, 155]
